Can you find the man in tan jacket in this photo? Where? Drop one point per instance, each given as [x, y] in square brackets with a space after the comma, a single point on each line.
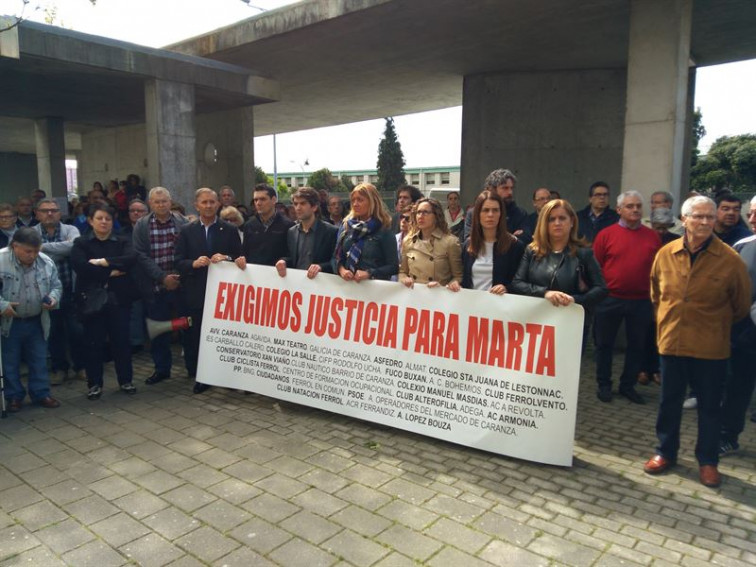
[699, 288]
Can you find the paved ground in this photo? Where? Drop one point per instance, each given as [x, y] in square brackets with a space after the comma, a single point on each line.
[167, 478]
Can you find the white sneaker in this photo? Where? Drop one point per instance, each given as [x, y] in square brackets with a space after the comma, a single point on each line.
[690, 403]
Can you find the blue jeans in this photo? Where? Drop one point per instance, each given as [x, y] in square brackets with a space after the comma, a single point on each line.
[66, 334]
[738, 390]
[26, 340]
[137, 333]
[609, 316]
[112, 323]
[165, 306]
[707, 378]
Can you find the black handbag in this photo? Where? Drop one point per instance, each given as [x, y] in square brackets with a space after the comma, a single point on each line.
[92, 301]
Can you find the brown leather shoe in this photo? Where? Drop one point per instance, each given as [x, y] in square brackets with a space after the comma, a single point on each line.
[49, 402]
[14, 406]
[709, 476]
[657, 465]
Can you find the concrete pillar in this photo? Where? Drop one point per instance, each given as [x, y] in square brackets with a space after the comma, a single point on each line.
[171, 138]
[657, 118]
[555, 129]
[51, 156]
[241, 153]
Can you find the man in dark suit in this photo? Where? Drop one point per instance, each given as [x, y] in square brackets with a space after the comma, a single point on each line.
[208, 240]
[311, 241]
[265, 231]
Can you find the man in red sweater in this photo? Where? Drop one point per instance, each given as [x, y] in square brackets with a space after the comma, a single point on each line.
[625, 251]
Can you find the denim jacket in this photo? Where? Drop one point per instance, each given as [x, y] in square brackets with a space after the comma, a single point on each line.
[11, 280]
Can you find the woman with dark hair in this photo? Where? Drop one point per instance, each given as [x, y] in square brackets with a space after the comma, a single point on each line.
[558, 265]
[430, 253]
[491, 255]
[104, 291]
[365, 245]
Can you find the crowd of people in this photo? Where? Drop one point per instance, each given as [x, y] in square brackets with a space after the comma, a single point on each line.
[79, 291]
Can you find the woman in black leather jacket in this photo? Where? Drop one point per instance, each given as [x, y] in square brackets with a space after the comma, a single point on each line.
[558, 265]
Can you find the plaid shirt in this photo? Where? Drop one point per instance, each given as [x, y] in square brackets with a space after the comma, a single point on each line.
[163, 237]
[64, 265]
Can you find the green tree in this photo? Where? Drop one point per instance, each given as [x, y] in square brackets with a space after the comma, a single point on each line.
[346, 182]
[323, 179]
[730, 164]
[390, 160]
[699, 131]
[260, 175]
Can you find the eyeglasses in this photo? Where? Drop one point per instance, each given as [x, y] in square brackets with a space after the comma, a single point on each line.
[48, 211]
[137, 211]
[423, 212]
[404, 217]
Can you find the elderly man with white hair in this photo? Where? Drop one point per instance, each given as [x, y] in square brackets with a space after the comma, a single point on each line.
[699, 288]
[625, 251]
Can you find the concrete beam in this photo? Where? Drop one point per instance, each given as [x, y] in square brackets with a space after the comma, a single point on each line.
[51, 156]
[657, 117]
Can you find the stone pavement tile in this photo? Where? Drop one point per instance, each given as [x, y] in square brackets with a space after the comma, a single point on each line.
[189, 497]
[90, 510]
[363, 496]
[687, 549]
[547, 526]
[257, 453]
[87, 472]
[107, 455]
[164, 436]
[15, 540]
[506, 555]
[331, 461]
[113, 487]
[5, 520]
[395, 559]
[39, 556]
[87, 443]
[7, 478]
[354, 548]
[140, 504]
[453, 508]
[203, 475]
[119, 529]
[65, 536]
[171, 523]
[221, 515]
[39, 515]
[504, 528]
[270, 507]
[289, 466]
[63, 459]
[234, 491]
[217, 458]
[459, 536]
[281, 485]
[124, 439]
[247, 471]
[409, 542]
[629, 554]
[159, 482]
[407, 491]
[228, 442]
[244, 557]
[319, 502]
[207, 544]
[450, 557]
[658, 552]
[47, 447]
[133, 467]
[260, 535]
[19, 497]
[66, 432]
[291, 553]
[23, 462]
[411, 516]
[151, 551]
[324, 480]
[363, 522]
[310, 527]
[173, 462]
[563, 551]
[199, 432]
[94, 554]
[368, 476]
[149, 450]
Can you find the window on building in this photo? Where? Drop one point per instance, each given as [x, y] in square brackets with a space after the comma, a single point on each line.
[445, 178]
[430, 179]
[415, 179]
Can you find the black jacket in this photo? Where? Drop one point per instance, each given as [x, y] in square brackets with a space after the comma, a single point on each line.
[588, 229]
[191, 244]
[504, 265]
[517, 219]
[561, 272]
[378, 257]
[322, 247]
[266, 247]
[120, 256]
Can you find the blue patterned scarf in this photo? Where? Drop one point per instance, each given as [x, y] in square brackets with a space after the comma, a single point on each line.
[358, 230]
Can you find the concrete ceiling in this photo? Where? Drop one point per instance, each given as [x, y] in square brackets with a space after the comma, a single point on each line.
[341, 61]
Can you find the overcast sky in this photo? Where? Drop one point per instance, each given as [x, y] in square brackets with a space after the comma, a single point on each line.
[725, 93]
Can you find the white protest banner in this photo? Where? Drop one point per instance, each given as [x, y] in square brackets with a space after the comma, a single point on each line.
[498, 373]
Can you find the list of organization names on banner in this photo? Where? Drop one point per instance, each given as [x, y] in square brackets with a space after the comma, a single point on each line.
[506, 384]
